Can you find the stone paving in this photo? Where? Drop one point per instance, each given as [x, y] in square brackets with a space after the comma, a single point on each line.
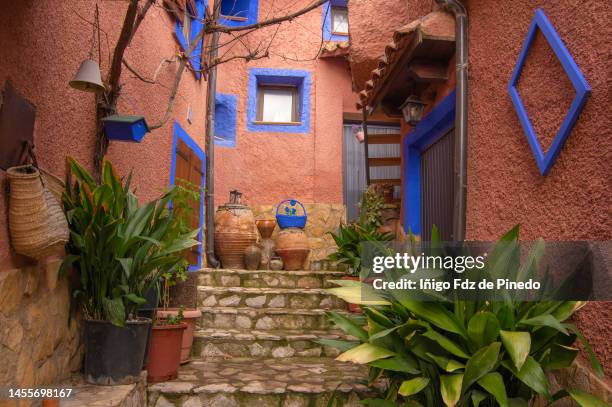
[242, 382]
[84, 394]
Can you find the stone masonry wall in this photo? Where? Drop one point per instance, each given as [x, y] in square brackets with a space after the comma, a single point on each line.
[322, 218]
[37, 347]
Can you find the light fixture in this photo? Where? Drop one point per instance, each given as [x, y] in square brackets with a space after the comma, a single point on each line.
[412, 109]
[88, 77]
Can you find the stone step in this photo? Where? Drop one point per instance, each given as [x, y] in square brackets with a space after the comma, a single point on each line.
[295, 298]
[244, 382]
[266, 278]
[279, 343]
[263, 318]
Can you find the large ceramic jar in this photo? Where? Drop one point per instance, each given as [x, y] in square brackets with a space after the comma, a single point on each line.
[292, 246]
[234, 231]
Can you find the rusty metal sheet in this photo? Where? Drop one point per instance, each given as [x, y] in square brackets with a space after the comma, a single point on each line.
[17, 116]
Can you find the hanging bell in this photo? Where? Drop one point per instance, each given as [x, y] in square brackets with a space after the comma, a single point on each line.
[88, 78]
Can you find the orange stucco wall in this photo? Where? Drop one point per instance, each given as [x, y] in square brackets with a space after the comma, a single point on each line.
[41, 47]
[271, 166]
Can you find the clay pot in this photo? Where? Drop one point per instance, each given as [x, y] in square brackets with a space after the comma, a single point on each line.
[276, 263]
[292, 246]
[268, 249]
[234, 232]
[165, 353]
[266, 227]
[252, 257]
[190, 317]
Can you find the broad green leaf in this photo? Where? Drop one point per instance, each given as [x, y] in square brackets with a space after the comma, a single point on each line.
[561, 356]
[449, 365]
[348, 326]
[545, 320]
[585, 399]
[436, 314]
[477, 397]
[450, 388]
[494, 384]
[397, 364]
[136, 299]
[413, 386]
[353, 295]
[565, 310]
[364, 353]
[587, 346]
[481, 363]
[531, 374]
[334, 343]
[114, 310]
[517, 344]
[383, 333]
[446, 343]
[517, 402]
[483, 328]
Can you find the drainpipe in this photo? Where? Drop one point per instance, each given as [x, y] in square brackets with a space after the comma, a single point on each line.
[210, 149]
[461, 116]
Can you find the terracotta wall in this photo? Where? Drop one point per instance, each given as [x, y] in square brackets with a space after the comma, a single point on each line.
[270, 166]
[41, 47]
[504, 184]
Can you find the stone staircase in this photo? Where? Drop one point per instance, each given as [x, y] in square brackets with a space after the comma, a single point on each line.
[254, 345]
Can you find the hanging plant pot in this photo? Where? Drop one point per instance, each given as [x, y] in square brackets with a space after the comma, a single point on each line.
[125, 128]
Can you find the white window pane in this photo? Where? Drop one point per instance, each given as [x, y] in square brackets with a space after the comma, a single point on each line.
[340, 20]
[277, 105]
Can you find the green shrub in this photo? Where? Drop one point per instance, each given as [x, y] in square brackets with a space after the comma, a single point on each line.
[463, 353]
[118, 247]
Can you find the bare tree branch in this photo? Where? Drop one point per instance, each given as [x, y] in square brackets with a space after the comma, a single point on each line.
[277, 20]
[152, 80]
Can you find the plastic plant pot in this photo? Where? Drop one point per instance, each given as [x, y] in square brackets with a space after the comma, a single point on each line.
[165, 352]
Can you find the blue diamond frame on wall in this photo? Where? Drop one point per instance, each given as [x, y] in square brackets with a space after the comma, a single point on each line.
[545, 161]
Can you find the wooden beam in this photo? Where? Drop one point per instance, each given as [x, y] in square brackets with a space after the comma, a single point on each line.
[428, 71]
[384, 161]
[396, 181]
[384, 138]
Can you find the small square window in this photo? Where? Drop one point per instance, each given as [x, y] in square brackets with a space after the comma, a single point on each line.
[277, 104]
[339, 17]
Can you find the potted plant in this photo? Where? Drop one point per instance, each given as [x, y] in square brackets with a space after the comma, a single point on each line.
[183, 203]
[166, 343]
[119, 249]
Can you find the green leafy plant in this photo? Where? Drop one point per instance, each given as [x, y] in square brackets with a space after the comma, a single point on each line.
[372, 205]
[463, 353]
[118, 247]
[349, 240]
[185, 198]
[172, 319]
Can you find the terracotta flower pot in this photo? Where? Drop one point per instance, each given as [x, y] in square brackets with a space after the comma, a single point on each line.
[354, 308]
[190, 317]
[165, 353]
[293, 247]
[265, 227]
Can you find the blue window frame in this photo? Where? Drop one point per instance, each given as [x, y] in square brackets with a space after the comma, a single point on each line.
[181, 134]
[436, 124]
[195, 26]
[238, 12]
[225, 120]
[328, 34]
[545, 160]
[284, 77]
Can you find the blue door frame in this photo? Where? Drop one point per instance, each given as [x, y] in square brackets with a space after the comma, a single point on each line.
[181, 134]
[433, 126]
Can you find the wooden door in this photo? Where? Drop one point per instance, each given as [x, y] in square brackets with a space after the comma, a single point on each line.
[189, 168]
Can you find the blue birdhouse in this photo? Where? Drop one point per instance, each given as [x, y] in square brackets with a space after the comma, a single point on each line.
[125, 128]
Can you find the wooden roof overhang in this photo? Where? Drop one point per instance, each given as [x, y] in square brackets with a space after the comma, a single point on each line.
[418, 56]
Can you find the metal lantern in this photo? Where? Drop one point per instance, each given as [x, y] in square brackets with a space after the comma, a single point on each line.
[88, 78]
[412, 109]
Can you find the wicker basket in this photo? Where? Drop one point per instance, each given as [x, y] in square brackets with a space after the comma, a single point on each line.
[36, 220]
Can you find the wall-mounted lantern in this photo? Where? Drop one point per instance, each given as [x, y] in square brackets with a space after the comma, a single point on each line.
[412, 109]
[125, 128]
